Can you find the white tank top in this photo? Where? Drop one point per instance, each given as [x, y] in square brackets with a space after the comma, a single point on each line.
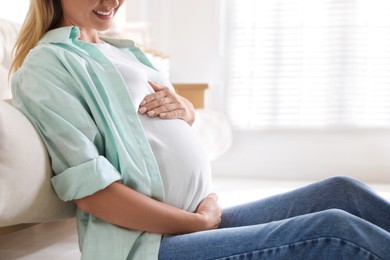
[183, 164]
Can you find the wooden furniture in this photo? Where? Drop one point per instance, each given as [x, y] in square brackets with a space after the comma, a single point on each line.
[194, 92]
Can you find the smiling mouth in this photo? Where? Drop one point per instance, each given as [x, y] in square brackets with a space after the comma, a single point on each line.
[101, 13]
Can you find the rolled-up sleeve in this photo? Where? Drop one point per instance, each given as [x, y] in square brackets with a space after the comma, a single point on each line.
[53, 102]
[85, 179]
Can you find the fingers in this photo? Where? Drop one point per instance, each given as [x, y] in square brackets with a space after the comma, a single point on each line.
[213, 195]
[165, 107]
[166, 104]
[158, 102]
[155, 100]
[179, 113]
[217, 210]
[160, 93]
[156, 87]
[164, 101]
[210, 208]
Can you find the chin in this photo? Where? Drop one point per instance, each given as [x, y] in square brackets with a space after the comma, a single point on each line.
[103, 28]
[107, 26]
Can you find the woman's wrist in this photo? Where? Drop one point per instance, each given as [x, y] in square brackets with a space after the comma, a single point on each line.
[194, 222]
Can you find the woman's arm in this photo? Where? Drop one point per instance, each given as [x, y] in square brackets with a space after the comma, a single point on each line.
[122, 206]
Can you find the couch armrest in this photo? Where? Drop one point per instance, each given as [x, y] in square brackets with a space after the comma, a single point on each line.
[26, 194]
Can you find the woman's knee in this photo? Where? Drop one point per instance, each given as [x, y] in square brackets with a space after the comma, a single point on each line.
[335, 215]
[340, 223]
[342, 183]
[333, 222]
[350, 229]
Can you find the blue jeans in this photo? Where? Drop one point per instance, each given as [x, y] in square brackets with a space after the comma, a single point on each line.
[338, 218]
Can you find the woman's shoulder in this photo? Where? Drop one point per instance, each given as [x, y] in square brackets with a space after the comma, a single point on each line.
[45, 62]
[41, 53]
[56, 44]
[52, 55]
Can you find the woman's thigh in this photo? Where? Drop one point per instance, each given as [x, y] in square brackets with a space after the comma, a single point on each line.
[342, 193]
[330, 234]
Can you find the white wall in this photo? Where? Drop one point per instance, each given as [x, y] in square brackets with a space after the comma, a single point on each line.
[14, 10]
[190, 32]
[308, 155]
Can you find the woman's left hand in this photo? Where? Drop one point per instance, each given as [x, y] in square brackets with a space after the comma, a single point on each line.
[166, 104]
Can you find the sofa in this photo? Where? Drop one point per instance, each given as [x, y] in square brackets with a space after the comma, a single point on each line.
[26, 194]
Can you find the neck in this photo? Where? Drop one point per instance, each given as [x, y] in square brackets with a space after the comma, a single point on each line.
[89, 35]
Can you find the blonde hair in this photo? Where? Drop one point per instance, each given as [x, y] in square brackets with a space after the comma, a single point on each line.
[42, 16]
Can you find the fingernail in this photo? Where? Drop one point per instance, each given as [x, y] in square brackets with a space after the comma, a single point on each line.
[143, 102]
[142, 110]
[163, 114]
[151, 113]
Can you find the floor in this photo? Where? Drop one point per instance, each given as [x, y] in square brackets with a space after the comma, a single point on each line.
[58, 240]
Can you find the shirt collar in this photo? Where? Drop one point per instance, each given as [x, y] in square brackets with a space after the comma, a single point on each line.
[64, 34]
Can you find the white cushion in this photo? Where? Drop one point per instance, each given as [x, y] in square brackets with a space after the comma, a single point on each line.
[5, 90]
[8, 33]
[26, 194]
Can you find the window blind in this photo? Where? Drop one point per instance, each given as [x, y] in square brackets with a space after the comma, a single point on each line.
[309, 63]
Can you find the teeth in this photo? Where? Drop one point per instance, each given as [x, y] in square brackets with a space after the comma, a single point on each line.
[102, 13]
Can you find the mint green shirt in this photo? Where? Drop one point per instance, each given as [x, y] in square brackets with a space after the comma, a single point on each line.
[83, 110]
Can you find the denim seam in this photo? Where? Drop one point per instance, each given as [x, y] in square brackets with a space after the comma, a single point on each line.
[303, 241]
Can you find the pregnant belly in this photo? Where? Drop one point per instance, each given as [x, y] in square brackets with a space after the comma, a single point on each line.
[183, 164]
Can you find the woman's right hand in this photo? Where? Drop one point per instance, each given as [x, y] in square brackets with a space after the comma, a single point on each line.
[210, 211]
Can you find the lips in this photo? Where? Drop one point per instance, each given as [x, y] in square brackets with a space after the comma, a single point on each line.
[103, 13]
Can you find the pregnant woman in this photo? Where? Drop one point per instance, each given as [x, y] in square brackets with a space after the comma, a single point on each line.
[122, 148]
